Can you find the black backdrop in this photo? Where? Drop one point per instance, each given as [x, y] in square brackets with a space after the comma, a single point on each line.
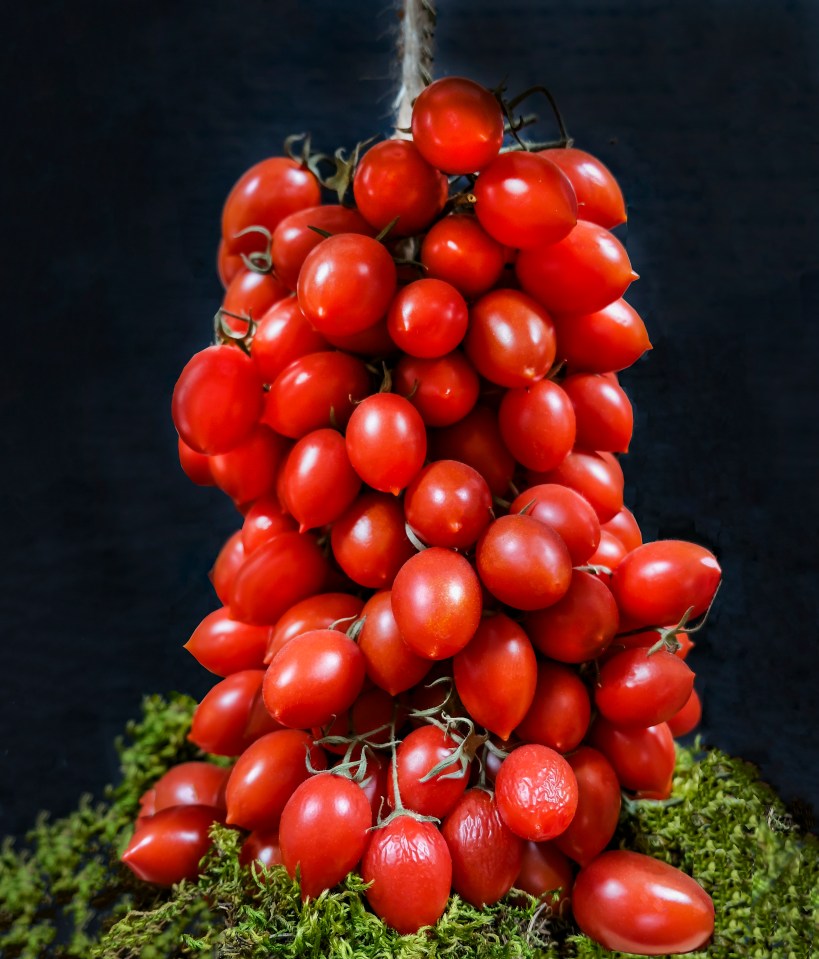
[124, 126]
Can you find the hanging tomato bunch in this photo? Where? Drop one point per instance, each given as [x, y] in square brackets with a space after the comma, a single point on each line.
[444, 648]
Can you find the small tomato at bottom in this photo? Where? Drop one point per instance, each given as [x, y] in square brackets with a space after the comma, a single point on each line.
[169, 845]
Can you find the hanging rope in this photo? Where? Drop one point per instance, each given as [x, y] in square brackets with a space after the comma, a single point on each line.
[415, 56]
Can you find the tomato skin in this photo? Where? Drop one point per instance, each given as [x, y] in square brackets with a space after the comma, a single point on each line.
[544, 870]
[428, 318]
[220, 720]
[610, 551]
[658, 582]
[605, 341]
[457, 249]
[265, 776]
[536, 792]
[486, 854]
[496, 674]
[523, 200]
[418, 753]
[443, 390]
[448, 504]
[282, 336]
[323, 831]
[637, 689]
[316, 612]
[560, 709]
[369, 541]
[386, 442]
[603, 413]
[263, 196]
[409, 867]
[261, 847]
[263, 521]
[642, 758]
[437, 603]
[251, 294]
[217, 400]
[226, 566]
[599, 197]
[567, 512]
[250, 469]
[390, 663]
[227, 264]
[598, 806]
[196, 466]
[624, 526]
[631, 902]
[596, 478]
[223, 645]
[476, 440]
[191, 784]
[168, 846]
[319, 481]
[688, 718]
[537, 424]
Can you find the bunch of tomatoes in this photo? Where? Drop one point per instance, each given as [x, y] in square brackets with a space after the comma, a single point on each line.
[444, 647]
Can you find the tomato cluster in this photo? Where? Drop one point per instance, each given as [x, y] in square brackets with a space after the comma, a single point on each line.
[443, 647]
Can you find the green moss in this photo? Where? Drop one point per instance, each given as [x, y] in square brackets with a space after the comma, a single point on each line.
[64, 894]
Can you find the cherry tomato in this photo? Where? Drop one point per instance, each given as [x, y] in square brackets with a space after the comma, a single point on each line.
[536, 792]
[315, 612]
[642, 758]
[251, 294]
[596, 478]
[688, 718]
[230, 558]
[582, 273]
[227, 264]
[496, 674]
[217, 400]
[523, 563]
[224, 645]
[443, 390]
[567, 512]
[457, 125]
[220, 720]
[319, 482]
[261, 847]
[457, 249]
[546, 873]
[610, 551]
[196, 466]
[523, 200]
[607, 340]
[428, 318]
[386, 442]
[408, 866]
[283, 335]
[476, 440]
[389, 662]
[598, 806]
[448, 504]
[394, 180]
[419, 752]
[638, 689]
[631, 902]
[263, 521]
[369, 540]
[624, 526]
[560, 709]
[436, 601]
[167, 848]
[658, 582]
[599, 198]
[191, 784]
[250, 469]
[265, 776]
[264, 196]
[324, 831]
[537, 424]
[602, 411]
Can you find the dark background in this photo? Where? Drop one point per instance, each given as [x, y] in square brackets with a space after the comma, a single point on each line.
[125, 124]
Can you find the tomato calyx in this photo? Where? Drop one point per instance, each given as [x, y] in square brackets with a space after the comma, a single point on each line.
[259, 261]
[459, 759]
[224, 334]
[596, 569]
[668, 634]
[340, 176]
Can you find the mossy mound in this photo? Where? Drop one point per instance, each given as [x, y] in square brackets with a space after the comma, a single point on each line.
[66, 895]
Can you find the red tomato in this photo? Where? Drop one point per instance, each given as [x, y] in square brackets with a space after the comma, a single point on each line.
[196, 466]
[420, 751]
[457, 125]
[374, 785]
[319, 483]
[443, 390]
[448, 504]
[263, 521]
[511, 338]
[264, 196]
[608, 340]
[220, 720]
[638, 689]
[389, 662]
[582, 273]
[476, 441]
[457, 249]
[524, 200]
[658, 582]
[386, 442]
[369, 541]
[217, 400]
[536, 792]
[560, 709]
[602, 411]
[394, 180]
[265, 776]
[167, 848]
[316, 612]
[409, 869]
[599, 198]
[496, 674]
[537, 424]
[374, 341]
[546, 873]
[224, 645]
[251, 294]
[324, 831]
[523, 562]
[436, 600]
[428, 318]
[688, 718]
[230, 558]
[597, 479]
[250, 469]
[631, 902]
[624, 526]
[610, 551]
[346, 284]
[642, 758]
[598, 806]
[261, 847]
[227, 264]
[486, 854]
[567, 512]
[282, 336]
[191, 784]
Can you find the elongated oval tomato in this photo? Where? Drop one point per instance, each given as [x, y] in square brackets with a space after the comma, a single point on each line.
[688, 718]
[420, 751]
[610, 551]
[624, 526]
[231, 557]
[599, 197]
[168, 846]
[250, 295]
[386, 442]
[428, 318]
[638, 689]
[605, 341]
[457, 249]
[564, 509]
[249, 470]
[560, 710]
[223, 645]
[602, 412]
[316, 612]
[545, 872]
[196, 466]
[261, 847]
[476, 440]
[282, 336]
[191, 784]
[631, 902]
[220, 721]
[598, 806]
[369, 540]
[537, 424]
[390, 663]
[263, 521]
[642, 758]
[448, 504]
[319, 482]
[443, 390]
[596, 478]
[536, 792]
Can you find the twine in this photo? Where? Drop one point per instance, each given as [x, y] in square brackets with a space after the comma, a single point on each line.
[415, 57]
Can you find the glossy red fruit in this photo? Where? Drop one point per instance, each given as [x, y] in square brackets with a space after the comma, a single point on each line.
[448, 504]
[250, 469]
[536, 792]
[443, 390]
[457, 249]
[688, 718]
[263, 521]
[642, 758]
[476, 441]
[319, 482]
[607, 340]
[596, 478]
[369, 541]
[168, 846]
[322, 611]
[624, 526]
[428, 318]
[560, 709]
[599, 197]
[603, 414]
[631, 902]
[220, 720]
[231, 557]
[261, 847]
[420, 751]
[567, 512]
[223, 645]
[389, 662]
[196, 466]
[250, 295]
[282, 336]
[545, 872]
[191, 784]
[537, 424]
[386, 442]
[598, 806]
[610, 551]
[227, 264]
[636, 688]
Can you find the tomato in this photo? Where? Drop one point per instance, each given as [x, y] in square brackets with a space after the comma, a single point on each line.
[265, 776]
[230, 558]
[261, 847]
[409, 869]
[443, 390]
[217, 400]
[610, 551]
[293, 239]
[250, 469]
[346, 284]
[227, 264]
[324, 831]
[524, 200]
[457, 249]
[418, 753]
[196, 466]
[457, 125]
[537, 424]
[436, 600]
[386, 441]
[167, 848]
[476, 441]
[448, 504]
[628, 901]
[642, 758]
[597, 479]
[369, 541]
[579, 626]
[224, 645]
[523, 563]
[536, 792]
[374, 341]
[602, 411]
[624, 526]
[263, 521]
[317, 390]
[374, 784]
[251, 294]
[220, 720]
[394, 180]
[688, 717]
[598, 806]
[316, 612]
[582, 273]
[486, 854]
[607, 340]
[511, 338]
[263, 196]
[567, 512]
[319, 482]
[546, 873]
[389, 662]
[658, 582]
[599, 198]
[560, 709]
[191, 784]
[428, 318]
[638, 689]
[496, 674]
[283, 335]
